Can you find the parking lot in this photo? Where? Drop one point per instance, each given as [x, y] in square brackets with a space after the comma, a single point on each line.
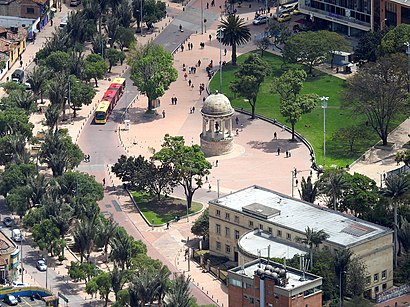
[27, 302]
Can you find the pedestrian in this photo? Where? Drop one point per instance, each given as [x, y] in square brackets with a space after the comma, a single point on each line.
[237, 120]
[172, 100]
[275, 136]
[203, 99]
[190, 110]
[185, 76]
[225, 51]
[103, 182]
[199, 63]
[189, 82]
[167, 225]
[175, 100]
[193, 109]
[210, 37]
[51, 22]
[192, 46]
[216, 163]
[21, 63]
[310, 173]
[88, 158]
[180, 28]
[237, 131]
[182, 48]
[287, 154]
[213, 3]
[278, 151]
[163, 113]
[206, 178]
[183, 67]
[207, 5]
[209, 187]
[200, 89]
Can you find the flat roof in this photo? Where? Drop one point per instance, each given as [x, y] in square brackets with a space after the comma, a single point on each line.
[293, 279]
[256, 243]
[405, 3]
[297, 215]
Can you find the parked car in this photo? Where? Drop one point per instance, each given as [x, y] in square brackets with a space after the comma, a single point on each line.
[10, 299]
[75, 2]
[8, 221]
[19, 284]
[18, 76]
[16, 235]
[260, 20]
[284, 17]
[41, 265]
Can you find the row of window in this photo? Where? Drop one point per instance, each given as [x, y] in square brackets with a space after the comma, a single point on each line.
[376, 277]
[227, 216]
[219, 247]
[227, 232]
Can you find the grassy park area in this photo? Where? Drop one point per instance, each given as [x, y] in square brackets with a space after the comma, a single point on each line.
[311, 125]
[164, 210]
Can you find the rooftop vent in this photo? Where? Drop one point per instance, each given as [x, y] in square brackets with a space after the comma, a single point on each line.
[260, 210]
[357, 230]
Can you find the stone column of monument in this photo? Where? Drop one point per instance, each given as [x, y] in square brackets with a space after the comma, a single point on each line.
[216, 137]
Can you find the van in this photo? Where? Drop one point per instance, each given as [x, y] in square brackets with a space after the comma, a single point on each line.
[18, 76]
[63, 22]
[16, 235]
[286, 9]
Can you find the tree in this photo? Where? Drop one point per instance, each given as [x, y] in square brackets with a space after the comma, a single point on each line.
[309, 190]
[403, 234]
[112, 27]
[351, 135]
[307, 48]
[263, 44]
[332, 184]
[396, 187]
[358, 301]
[313, 238]
[106, 229]
[14, 121]
[394, 41]
[113, 56]
[125, 37]
[57, 91]
[356, 277]
[95, 67]
[369, 43]
[101, 284]
[187, 163]
[60, 153]
[84, 236]
[17, 200]
[52, 115]
[333, 42]
[324, 267]
[201, 225]
[37, 79]
[16, 175]
[235, 32]
[80, 94]
[180, 293]
[292, 104]
[153, 12]
[58, 61]
[403, 156]
[152, 70]
[249, 77]
[44, 234]
[341, 263]
[360, 195]
[379, 91]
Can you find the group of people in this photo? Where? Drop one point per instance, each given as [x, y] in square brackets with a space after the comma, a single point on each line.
[174, 100]
[212, 4]
[86, 158]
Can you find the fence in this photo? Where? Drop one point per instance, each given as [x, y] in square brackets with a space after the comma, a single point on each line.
[392, 293]
[207, 267]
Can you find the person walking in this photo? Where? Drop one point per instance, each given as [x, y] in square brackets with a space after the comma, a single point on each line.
[180, 28]
[163, 113]
[275, 136]
[225, 51]
[278, 151]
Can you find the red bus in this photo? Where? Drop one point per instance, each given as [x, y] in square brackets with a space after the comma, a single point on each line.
[110, 99]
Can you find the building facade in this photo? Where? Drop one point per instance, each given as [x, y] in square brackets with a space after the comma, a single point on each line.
[394, 13]
[9, 259]
[266, 283]
[285, 219]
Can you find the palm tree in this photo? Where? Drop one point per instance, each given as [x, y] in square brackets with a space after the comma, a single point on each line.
[24, 100]
[313, 239]
[341, 263]
[118, 279]
[180, 294]
[38, 186]
[235, 32]
[332, 185]
[121, 248]
[84, 235]
[106, 229]
[308, 190]
[37, 79]
[396, 186]
[52, 115]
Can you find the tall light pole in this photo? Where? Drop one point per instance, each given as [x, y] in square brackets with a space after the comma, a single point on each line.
[21, 257]
[324, 106]
[220, 37]
[202, 18]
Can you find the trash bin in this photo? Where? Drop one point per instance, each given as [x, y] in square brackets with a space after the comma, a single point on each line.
[127, 124]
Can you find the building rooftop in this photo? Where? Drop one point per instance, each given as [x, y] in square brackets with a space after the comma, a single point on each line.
[287, 278]
[297, 215]
[256, 243]
[7, 246]
[402, 2]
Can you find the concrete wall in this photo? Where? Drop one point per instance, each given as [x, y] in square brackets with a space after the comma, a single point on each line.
[10, 21]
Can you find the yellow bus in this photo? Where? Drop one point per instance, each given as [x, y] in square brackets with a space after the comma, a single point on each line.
[103, 112]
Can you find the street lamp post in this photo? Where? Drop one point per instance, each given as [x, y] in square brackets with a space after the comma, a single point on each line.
[217, 187]
[340, 287]
[324, 107]
[202, 18]
[220, 37]
[21, 257]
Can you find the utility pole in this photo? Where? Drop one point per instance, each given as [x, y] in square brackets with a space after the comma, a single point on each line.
[324, 107]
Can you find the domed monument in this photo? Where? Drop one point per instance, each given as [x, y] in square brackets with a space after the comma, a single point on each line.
[216, 136]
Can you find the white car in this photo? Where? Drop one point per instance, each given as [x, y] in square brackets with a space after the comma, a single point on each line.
[260, 20]
[19, 284]
[41, 265]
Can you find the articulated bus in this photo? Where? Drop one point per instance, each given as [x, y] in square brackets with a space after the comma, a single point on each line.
[110, 99]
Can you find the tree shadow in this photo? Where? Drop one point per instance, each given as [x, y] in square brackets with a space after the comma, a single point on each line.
[272, 146]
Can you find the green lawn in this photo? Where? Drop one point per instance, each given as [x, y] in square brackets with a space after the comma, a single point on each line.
[311, 125]
[162, 211]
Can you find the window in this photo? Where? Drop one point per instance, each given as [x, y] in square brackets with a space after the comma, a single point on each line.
[218, 213]
[228, 249]
[227, 232]
[251, 224]
[227, 216]
[376, 277]
[235, 282]
[236, 234]
[279, 233]
[260, 226]
[384, 287]
[270, 230]
[218, 229]
[368, 280]
[384, 274]
[30, 10]
[236, 219]
[376, 289]
[218, 246]
[288, 236]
